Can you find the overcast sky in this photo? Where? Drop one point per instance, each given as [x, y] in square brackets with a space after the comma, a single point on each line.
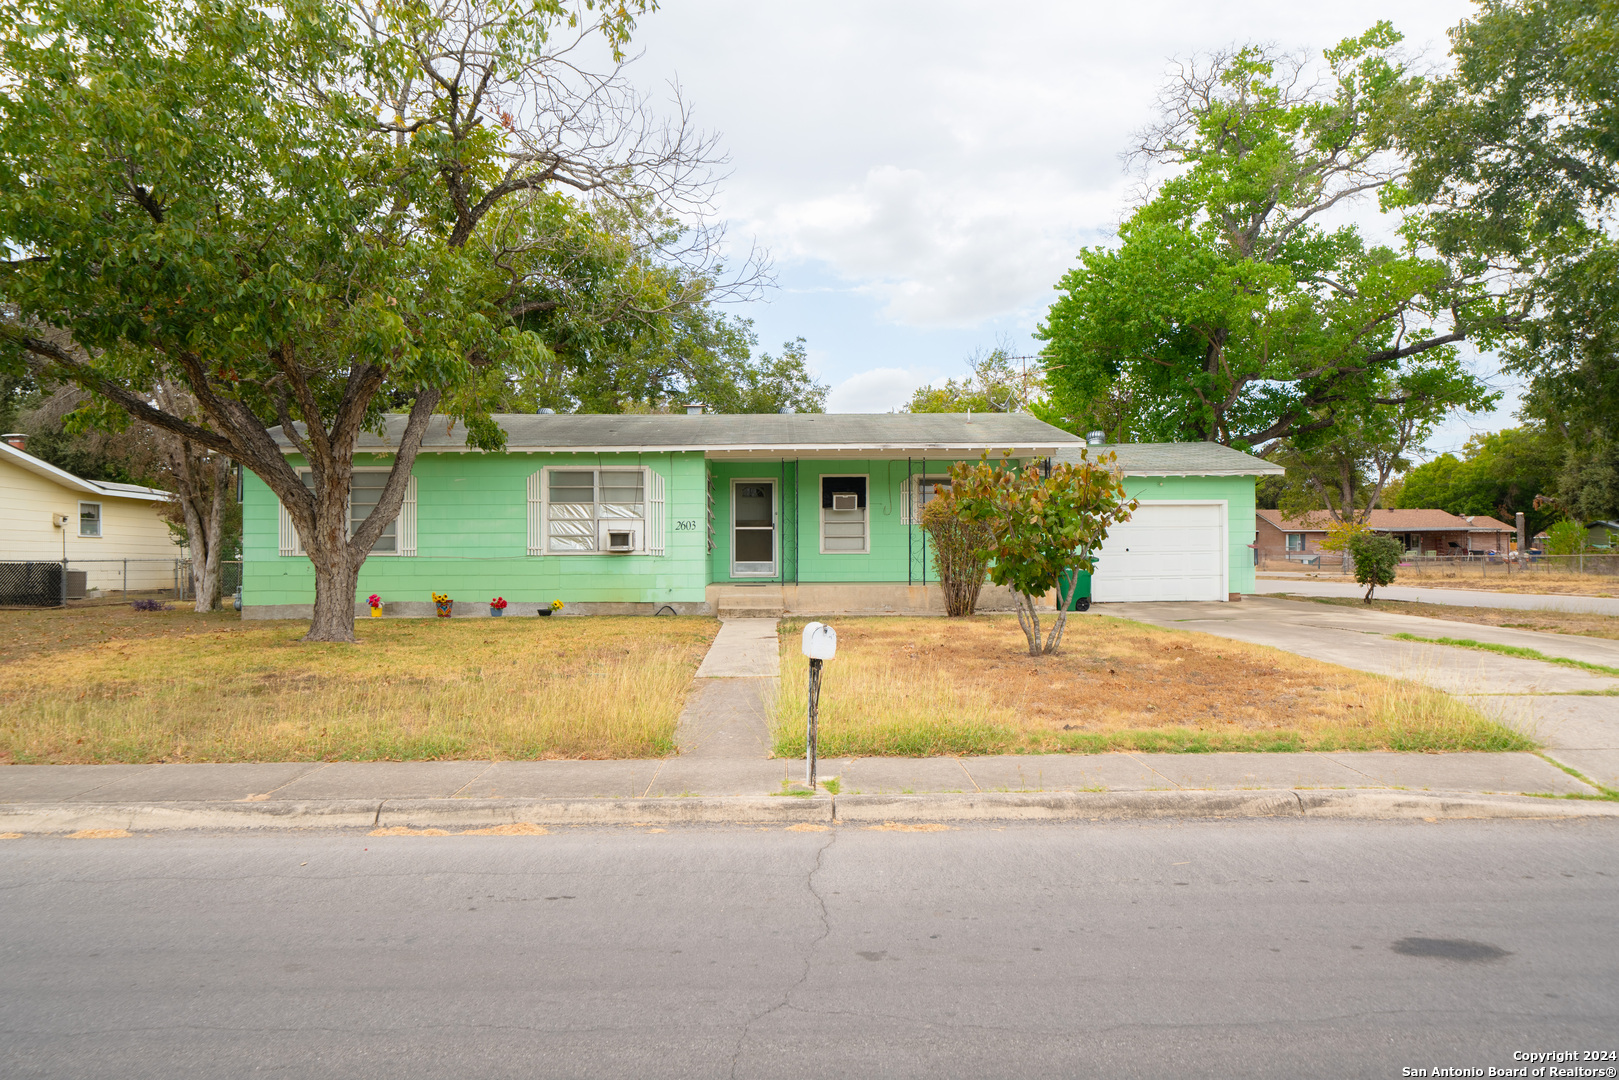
[924, 173]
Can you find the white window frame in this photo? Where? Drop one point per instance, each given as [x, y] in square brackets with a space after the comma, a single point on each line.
[291, 544]
[776, 496]
[100, 521]
[653, 509]
[865, 521]
[1295, 541]
[914, 497]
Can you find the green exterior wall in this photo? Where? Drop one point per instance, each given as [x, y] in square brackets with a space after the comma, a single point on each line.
[472, 539]
[1237, 491]
[472, 531]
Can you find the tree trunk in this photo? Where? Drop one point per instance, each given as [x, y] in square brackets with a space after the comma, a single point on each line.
[205, 570]
[1028, 617]
[337, 579]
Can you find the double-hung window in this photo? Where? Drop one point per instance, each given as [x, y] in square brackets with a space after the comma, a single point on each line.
[1295, 541]
[844, 520]
[365, 491]
[607, 510]
[918, 492]
[89, 519]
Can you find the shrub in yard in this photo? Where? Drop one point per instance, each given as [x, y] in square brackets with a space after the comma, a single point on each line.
[958, 545]
[1041, 527]
[149, 605]
[1376, 559]
[1567, 538]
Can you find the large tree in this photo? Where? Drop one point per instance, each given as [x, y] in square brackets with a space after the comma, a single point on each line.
[1516, 156]
[308, 213]
[1234, 309]
[1500, 474]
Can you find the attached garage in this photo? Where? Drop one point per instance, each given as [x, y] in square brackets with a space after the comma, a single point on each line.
[1166, 551]
[1192, 536]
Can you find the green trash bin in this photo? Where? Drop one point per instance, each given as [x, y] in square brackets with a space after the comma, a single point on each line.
[1081, 600]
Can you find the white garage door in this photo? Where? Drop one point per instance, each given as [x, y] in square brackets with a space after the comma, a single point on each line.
[1166, 551]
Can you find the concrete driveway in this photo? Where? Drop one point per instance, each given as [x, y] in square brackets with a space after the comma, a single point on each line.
[1574, 713]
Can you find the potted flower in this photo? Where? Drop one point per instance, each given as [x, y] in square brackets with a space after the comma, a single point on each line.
[376, 605]
[442, 604]
[556, 605]
[497, 606]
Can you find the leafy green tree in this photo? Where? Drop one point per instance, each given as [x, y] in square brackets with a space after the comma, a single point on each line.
[310, 213]
[1377, 560]
[1041, 527]
[1229, 311]
[996, 383]
[1501, 474]
[1514, 160]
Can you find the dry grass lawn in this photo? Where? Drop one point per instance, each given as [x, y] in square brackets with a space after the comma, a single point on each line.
[109, 684]
[1552, 622]
[916, 687]
[1551, 582]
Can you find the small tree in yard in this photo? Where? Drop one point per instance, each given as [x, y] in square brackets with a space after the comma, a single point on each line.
[958, 547]
[1376, 559]
[1040, 527]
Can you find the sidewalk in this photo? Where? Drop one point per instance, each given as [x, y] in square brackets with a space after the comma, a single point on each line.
[723, 772]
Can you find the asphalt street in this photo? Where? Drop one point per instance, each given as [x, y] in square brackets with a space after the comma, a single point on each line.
[1197, 949]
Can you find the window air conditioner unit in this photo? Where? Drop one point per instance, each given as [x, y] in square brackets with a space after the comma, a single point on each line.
[620, 537]
[845, 500]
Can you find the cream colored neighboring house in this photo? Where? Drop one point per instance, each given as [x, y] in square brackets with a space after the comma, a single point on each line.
[47, 514]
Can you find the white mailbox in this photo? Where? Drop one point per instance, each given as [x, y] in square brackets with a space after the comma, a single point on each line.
[820, 641]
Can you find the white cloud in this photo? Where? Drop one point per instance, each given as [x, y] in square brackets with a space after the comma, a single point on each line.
[943, 251]
[878, 390]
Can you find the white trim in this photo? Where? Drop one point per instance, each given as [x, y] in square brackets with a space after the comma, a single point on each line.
[405, 534]
[753, 450]
[24, 460]
[100, 517]
[865, 521]
[775, 525]
[536, 512]
[656, 512]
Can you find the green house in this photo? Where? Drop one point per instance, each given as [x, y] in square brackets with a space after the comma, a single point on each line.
[793, 513]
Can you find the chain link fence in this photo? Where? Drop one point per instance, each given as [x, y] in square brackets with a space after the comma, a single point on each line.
[51, 584]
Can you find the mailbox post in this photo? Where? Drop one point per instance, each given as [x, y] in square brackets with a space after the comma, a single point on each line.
[820, 643]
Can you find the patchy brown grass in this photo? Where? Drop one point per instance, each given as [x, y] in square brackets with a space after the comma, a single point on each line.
[1552, 622]
[112, 685]
[918, 687]
[1550, 582]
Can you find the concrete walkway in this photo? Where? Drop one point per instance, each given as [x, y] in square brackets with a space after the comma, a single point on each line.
[1591, 605]
[725, 718]
[1567, 709]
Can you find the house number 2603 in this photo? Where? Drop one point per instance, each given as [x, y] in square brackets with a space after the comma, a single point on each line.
[685, 525]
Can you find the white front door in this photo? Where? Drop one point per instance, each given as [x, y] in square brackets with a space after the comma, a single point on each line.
[1166, 551]
[753, 528]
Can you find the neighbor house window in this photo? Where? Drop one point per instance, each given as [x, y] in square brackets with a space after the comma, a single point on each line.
[595, 510]
[1295, 541]
[843, 515]
[89, 519]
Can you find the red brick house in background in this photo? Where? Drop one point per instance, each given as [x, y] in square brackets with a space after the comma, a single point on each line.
[1432, 532]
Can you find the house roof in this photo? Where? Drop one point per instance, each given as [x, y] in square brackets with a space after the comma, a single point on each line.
[1392, 521]
[743, 434]
[1178, 459]
[99, 488]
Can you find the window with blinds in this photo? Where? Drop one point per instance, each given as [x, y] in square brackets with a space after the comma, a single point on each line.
[844, 518]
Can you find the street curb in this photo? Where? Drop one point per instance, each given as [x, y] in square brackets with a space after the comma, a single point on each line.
[780, 810]
[1149, 805]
